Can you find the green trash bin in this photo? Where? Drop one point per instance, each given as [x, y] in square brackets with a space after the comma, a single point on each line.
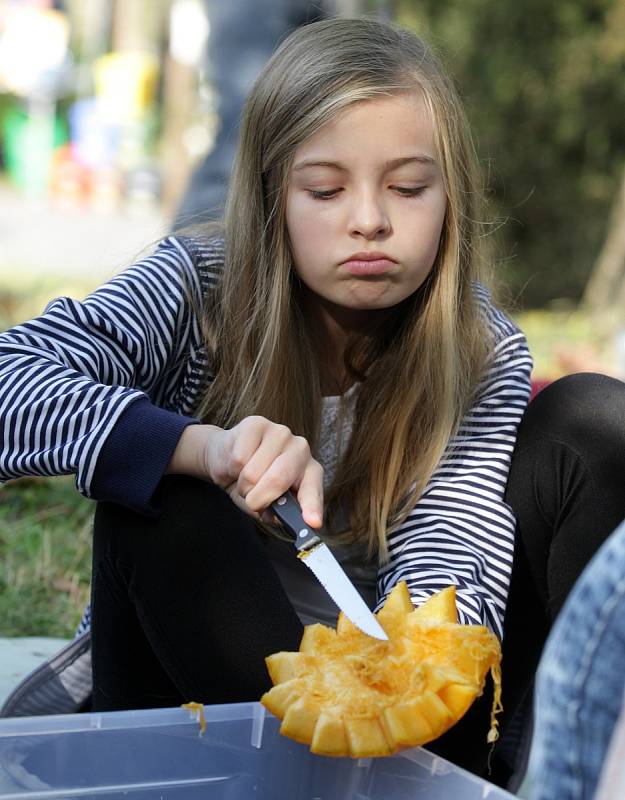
[28, 144]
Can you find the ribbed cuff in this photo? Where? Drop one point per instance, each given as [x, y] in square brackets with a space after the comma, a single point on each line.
[135, 455]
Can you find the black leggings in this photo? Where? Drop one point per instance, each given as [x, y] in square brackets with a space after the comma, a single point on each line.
[187, 605]
[567, 490]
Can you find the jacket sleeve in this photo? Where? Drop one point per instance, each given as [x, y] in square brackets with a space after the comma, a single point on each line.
[96, 377]
[461, 531]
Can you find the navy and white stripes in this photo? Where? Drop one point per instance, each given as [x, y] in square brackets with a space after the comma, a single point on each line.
[461, 531]
[67, 377]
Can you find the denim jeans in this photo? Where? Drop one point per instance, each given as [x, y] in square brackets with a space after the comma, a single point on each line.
[581, 680]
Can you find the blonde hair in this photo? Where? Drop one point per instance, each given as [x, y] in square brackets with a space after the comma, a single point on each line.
[420, 372]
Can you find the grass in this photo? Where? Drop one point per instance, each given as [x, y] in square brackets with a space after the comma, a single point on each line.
[45, 556]
[45, 525]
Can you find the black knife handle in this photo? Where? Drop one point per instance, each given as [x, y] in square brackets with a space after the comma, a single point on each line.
[287, 509]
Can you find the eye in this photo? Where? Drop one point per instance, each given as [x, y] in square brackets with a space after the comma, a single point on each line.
[413, 191]
[323, 194]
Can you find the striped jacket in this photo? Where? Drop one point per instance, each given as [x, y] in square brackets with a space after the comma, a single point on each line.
[104, 387]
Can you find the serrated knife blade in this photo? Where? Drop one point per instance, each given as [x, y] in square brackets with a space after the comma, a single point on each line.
[318, 557]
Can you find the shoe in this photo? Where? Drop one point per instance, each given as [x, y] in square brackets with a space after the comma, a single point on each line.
[61, 685]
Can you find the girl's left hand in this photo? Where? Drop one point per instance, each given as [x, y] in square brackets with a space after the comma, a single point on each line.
[256, 461]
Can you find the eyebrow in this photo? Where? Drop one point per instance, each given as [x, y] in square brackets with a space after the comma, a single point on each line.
[388, 165]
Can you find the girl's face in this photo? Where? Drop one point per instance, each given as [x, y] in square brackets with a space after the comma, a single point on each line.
[365, 208]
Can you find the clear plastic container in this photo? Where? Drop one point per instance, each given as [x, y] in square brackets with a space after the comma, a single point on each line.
[160, 754]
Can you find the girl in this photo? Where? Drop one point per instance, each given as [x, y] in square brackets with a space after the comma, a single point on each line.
[334, 340]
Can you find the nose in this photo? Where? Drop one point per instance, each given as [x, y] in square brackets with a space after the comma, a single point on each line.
[368, 215]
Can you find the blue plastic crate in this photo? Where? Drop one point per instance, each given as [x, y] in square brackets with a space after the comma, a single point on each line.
[160, 754]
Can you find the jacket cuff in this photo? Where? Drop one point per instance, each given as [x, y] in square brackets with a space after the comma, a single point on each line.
[135, 455]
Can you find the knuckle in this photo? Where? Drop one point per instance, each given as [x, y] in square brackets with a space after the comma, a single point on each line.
[282, 430]
[247, 476]
[237, 461]
[301, 444]
[251, 423]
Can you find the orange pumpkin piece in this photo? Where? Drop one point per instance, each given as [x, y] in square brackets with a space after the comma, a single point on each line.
[347, 694]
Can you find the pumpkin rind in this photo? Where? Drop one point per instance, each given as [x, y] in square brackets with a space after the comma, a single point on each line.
[345, 693]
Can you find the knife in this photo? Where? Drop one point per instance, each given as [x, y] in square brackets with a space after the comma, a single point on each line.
[318, 558]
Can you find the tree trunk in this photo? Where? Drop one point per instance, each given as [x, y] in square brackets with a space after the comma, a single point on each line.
[606, 285]
[179, 96]
[138, 24]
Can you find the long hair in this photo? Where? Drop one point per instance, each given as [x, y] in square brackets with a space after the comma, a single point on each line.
[419, 372]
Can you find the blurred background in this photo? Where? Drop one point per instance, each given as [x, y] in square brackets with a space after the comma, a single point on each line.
[109, 107]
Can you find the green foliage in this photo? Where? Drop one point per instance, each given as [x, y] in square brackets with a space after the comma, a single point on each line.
[544, 85]
[45, 557]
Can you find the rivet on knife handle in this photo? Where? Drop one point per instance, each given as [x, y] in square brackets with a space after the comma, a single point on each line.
[287, 510]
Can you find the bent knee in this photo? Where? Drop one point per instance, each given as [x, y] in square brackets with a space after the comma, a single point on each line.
[580, 410]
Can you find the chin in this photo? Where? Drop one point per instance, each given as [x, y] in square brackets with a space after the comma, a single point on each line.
[374, 303]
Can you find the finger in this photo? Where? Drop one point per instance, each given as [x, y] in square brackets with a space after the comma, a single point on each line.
[240, 501]
[310, 494]
[269, 518]
[244, 440]
[277, 440]
[286, 470]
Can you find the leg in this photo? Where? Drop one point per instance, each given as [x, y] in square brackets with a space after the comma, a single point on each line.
[580, 680]
[565, 487]
[185, 606]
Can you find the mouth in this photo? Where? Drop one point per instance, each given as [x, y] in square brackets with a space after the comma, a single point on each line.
[366, 264]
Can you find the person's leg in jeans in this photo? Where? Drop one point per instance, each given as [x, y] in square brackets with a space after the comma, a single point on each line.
[580, 681]
[566, 490]
[185, 606]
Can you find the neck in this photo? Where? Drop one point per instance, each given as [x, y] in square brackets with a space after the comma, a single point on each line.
[334, 328]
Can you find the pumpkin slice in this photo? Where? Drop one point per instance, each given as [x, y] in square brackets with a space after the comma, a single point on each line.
[347, 694]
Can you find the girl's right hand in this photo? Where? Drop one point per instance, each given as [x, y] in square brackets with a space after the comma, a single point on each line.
[256, 461]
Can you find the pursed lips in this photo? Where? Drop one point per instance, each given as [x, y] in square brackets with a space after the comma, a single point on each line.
[368, 264]
[369, 255]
